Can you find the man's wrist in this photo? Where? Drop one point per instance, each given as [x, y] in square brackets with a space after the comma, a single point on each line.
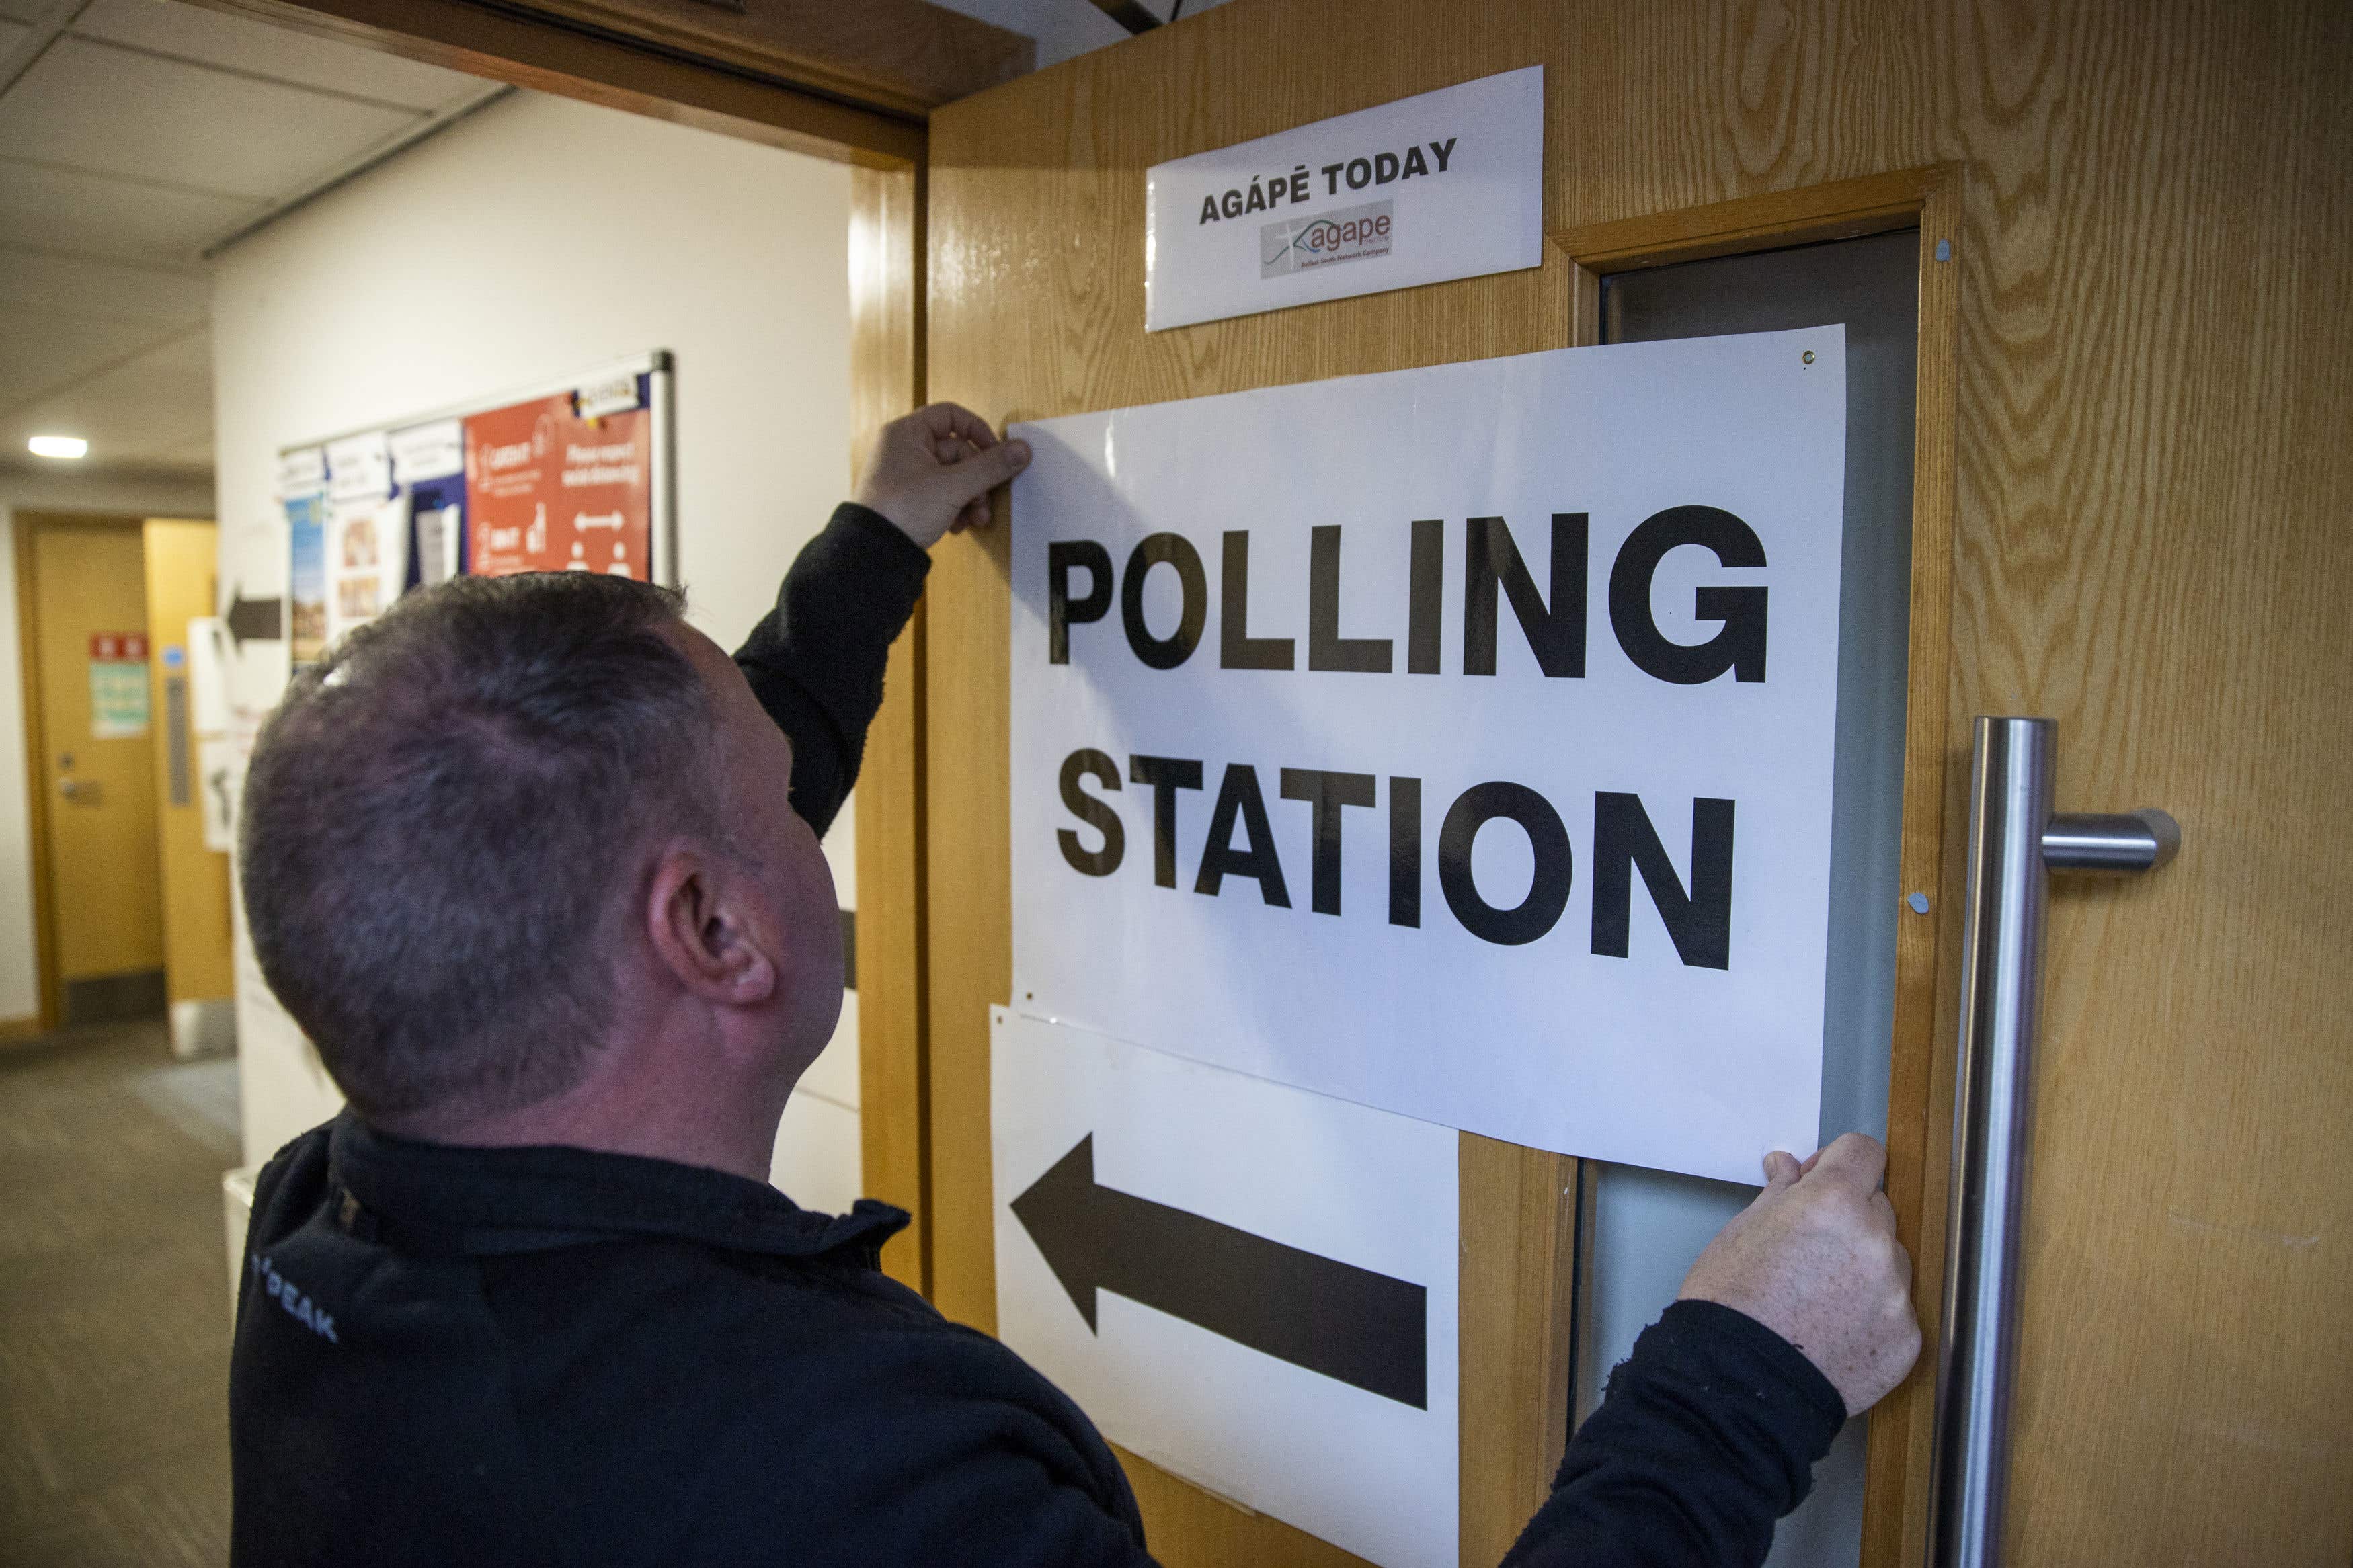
[864, 520]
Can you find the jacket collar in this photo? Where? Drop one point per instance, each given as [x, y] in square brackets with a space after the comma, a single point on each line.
[440, 1197]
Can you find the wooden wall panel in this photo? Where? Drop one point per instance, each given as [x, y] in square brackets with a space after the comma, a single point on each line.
[886, 379]
[2146, 448]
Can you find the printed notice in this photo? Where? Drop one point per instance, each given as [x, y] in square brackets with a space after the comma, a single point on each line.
[1448, 185]
[1251, 1285]
[549, 488]
[1454, 741]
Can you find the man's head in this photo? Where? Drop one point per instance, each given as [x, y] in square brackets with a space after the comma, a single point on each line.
[518, 824]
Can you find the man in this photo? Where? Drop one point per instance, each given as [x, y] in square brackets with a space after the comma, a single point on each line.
[536, 866]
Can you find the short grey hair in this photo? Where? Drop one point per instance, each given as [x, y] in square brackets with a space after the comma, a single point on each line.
[437, 828]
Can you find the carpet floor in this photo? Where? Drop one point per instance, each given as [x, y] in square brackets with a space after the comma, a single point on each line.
[114, 1305]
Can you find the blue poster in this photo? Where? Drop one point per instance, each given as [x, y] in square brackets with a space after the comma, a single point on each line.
[306, 582]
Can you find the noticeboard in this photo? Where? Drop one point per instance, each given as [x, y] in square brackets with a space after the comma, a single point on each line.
[573, 476]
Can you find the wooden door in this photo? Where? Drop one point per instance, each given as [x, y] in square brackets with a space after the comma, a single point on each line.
[182, 583]
[94, 769]
[2131, 515]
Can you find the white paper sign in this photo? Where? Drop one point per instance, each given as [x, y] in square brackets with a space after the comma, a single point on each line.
[1155, 1217]
[1275, 812]
[1446, 185]
[359, 467]
[220, 787]
[209, 658]
[427, 451]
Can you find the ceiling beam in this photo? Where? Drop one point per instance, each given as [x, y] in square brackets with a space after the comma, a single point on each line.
[352, 168]
[849, 82]
[35, 44]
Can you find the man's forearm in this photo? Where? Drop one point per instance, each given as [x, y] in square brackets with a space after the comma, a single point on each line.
[816, 660]
[1708, 1436]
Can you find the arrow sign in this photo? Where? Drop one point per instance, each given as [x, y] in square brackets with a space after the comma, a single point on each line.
[255, 618]
[1331, 1318]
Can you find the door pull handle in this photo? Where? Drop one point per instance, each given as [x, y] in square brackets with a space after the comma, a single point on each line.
[2016, 842]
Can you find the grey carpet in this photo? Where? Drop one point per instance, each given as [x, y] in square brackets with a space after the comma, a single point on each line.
[113, 1289]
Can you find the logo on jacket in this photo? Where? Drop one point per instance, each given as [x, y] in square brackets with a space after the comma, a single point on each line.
[299, 1306]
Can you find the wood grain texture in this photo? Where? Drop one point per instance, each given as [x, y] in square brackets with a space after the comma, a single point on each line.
[549, 55]
[1185, 1524]
[105, 890]
[1518, 1277]
[1842, 209]
[23, 526]
[886, 379]
[902, 57]
[181, 584]
[2143, 438]
[1936, 778]
[970, 944]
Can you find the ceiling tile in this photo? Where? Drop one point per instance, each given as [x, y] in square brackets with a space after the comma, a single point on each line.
[25, 11]
[40, 349]
[257, 49]
[152, 409]
[80, 286]
[9, 33]
[97, 108]
[55, 209]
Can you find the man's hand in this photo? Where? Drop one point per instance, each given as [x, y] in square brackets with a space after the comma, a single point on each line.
[1816, 1260]
[931, 471]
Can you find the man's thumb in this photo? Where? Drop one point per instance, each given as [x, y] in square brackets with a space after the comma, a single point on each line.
[1004, 460]
[1780, 1168]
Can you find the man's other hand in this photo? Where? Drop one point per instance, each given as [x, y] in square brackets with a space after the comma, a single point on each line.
[931, 471]
[1816, 1260]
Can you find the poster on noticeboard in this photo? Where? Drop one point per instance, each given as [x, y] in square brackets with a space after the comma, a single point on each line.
[552, 486]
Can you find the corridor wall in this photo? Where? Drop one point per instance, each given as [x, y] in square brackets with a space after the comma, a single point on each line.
[537, 240]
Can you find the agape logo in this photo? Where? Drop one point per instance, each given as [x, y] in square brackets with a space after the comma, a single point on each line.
[1351, 234]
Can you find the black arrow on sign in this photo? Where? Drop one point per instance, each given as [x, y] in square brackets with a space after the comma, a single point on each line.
[262, 619]
[1332, 1318]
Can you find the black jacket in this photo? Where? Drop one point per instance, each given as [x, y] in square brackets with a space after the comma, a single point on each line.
[552, 1356]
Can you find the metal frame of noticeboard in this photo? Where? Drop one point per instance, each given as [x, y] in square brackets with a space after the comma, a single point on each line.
[658, 368]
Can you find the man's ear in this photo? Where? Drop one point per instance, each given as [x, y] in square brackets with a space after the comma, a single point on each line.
[703, 932]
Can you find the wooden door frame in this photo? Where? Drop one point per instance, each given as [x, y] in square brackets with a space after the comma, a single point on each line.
[1935, 752]
[24, 524]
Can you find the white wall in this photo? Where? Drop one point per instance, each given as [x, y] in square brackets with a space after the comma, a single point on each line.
[63, 490]
[539, 238]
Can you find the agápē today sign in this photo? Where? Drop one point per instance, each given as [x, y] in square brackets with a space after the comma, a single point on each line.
[1440, 185]
[1453, 740]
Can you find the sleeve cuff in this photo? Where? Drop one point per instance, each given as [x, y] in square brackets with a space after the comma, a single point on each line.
[1787, 1392]
[901, 551]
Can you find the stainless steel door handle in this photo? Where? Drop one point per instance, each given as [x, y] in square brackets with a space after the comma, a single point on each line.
[2016, 841]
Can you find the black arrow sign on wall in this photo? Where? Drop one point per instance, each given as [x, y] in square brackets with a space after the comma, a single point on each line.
[1332, 1318]
[262, 619]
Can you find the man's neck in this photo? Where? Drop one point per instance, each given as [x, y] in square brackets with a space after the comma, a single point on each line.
[615, 1110]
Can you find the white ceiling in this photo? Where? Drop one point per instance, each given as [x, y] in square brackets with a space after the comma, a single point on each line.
[143, 135]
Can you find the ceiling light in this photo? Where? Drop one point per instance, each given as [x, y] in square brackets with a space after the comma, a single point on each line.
[58, 447]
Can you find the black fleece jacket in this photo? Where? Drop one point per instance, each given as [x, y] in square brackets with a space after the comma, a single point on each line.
[530, 1356]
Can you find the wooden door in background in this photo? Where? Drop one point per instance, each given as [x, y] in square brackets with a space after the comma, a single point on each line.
[2137, 434]
[182, 584]
[87, 579]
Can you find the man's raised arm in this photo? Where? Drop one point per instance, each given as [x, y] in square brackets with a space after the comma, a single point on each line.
[816, 660]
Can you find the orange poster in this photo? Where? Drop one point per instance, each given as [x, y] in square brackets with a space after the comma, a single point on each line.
[548, 490]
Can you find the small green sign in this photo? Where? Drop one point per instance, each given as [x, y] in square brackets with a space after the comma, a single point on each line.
[118, 698]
